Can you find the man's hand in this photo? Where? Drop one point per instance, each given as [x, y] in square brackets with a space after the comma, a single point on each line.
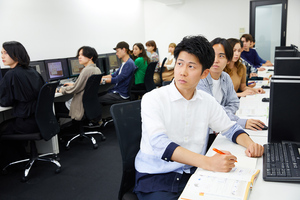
[254, 150]
[254, 124]
[221, 162]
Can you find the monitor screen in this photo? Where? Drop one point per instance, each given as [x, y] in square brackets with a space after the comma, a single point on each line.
[57, 69]
[113, 61]
[284, 107]
[74, 67]
[39, 66]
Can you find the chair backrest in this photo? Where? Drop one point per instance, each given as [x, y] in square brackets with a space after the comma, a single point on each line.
[162, 69]
[149, 82]
[128, 125]
[44, 114]
[91, 105]
[131, 83]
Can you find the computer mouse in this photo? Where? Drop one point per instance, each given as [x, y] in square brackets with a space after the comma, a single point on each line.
[264, 128]
[265, 99]
[265, 87]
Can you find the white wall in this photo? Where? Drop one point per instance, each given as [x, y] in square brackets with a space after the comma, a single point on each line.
[293, 23]
[57, 28]
[213, 18]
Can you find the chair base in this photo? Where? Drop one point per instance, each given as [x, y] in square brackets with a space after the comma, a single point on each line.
[87, 135]
[31, 161]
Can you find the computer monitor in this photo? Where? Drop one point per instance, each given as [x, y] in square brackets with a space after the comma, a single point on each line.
[287, 66]
[57, 69]
[284, 109]
[113, 61]
[101, 63]
[39, 66]
[286, 53]
[74, 67]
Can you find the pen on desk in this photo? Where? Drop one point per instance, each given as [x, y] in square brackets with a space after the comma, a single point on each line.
[218, 151]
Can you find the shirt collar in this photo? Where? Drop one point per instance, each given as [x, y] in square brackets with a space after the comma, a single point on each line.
[175, 94]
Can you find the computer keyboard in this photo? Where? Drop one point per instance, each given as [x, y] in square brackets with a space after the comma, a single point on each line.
[281, 162]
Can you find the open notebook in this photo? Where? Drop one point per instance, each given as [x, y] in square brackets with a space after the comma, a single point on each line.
[235, 184]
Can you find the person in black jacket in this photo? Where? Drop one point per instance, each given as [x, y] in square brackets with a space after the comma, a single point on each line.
[19, 88]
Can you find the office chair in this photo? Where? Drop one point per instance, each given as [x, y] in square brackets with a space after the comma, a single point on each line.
[128, 125]
[148, 80]
[48, 126]
[162, 69]
[92, 111]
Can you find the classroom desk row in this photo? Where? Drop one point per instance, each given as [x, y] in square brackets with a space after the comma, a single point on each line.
[252, 107]
[50, 146]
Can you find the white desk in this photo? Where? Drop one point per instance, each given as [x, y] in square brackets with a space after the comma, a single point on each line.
[262, 190]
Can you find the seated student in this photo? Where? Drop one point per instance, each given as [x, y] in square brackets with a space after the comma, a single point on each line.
[19, 88]
[237, 71]
[87, 56]
[175, 120]
[141, 61]
[168, 73]
[151, 52]
[121, 78]
[250, 55]
[262, 61]
[218, 84]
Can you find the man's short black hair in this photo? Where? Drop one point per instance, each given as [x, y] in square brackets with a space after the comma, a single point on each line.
[88, 52]
[17, 52]
[226, 45]
[198, 46]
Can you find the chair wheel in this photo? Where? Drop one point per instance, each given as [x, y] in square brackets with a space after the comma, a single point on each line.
[95, 146]
[58, 170]
[24, 179]
[103, 138]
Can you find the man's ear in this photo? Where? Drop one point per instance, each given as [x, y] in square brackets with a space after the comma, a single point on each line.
[204, 74]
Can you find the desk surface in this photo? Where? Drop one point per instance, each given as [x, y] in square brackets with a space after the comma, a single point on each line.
[252, 107]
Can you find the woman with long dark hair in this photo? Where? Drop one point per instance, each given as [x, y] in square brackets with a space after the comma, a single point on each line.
[141, 62]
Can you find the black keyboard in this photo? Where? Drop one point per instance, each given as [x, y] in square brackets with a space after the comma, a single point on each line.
[281, 162]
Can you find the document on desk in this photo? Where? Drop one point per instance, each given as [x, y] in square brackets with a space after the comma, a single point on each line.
[207, 185]
[236, 184]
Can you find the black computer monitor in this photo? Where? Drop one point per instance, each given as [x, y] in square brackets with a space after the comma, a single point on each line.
[113, 61]
[101, 63]
[57, 69]
[74, 67]
[287, 66]
[284, 109]
[286, 53]
[39, 66]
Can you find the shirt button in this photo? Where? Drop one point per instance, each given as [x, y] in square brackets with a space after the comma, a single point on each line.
[177, 179]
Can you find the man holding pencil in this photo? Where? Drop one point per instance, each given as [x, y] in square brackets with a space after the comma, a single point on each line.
[175, 119]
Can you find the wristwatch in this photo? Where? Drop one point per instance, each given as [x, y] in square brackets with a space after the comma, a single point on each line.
[103, 81]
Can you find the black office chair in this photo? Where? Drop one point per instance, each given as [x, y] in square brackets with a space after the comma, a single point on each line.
[48, 126]
[92, 111]
[162, 69]
[148, 80]
[128, 125]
